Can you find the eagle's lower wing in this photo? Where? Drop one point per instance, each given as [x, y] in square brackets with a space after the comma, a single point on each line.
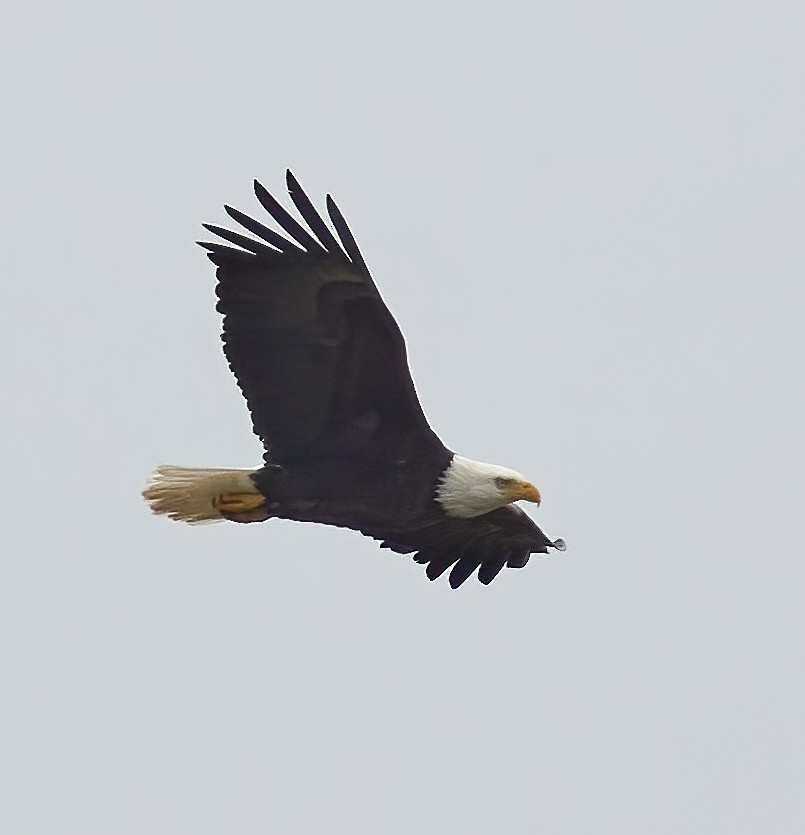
[316, 352]
[503, 538]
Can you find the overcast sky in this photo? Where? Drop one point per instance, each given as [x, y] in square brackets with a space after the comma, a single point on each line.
[588, 220]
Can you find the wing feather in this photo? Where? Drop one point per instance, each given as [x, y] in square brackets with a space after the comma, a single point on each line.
[311, 216]
[248, 244]
[439, 564]
[490, 569]
[348, 241]
[464, 568]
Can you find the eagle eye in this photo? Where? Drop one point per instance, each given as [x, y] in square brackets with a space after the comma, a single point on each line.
[502, 481]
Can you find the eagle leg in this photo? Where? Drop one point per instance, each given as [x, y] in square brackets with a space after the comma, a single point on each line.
[238, 502]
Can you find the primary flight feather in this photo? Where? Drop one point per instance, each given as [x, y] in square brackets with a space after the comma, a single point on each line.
[323, 367]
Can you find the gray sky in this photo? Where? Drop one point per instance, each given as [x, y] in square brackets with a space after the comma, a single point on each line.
[588, 220]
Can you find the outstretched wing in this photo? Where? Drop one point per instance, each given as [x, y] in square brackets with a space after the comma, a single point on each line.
[319, 358]
[506, 537]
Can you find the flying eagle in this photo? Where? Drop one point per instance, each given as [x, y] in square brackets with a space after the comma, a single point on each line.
[323, 367]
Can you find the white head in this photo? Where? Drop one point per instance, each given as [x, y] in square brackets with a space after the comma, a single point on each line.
[470, 488]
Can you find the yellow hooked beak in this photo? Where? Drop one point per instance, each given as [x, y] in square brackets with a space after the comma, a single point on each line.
[524, 491]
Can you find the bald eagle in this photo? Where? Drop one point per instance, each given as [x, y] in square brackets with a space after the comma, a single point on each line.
[323, 367]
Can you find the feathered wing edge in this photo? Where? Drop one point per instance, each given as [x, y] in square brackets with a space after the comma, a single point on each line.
[488, 559]
[505, 538]
[299, 241]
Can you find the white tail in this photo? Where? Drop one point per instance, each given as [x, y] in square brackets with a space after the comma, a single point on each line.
[187, 494]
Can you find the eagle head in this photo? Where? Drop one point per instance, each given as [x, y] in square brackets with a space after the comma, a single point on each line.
[471, 488]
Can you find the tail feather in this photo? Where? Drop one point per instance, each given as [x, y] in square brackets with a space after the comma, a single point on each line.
[188, 494]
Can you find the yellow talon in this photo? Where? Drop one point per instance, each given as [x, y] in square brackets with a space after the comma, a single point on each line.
[238, 502]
